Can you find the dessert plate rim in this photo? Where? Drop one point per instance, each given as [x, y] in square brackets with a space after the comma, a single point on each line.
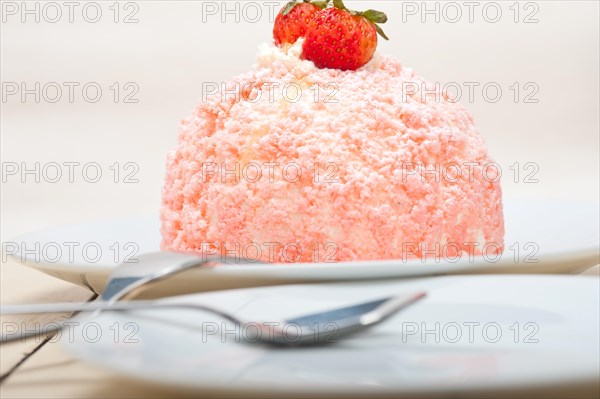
[582, 252]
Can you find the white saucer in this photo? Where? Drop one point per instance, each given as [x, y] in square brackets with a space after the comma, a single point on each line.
[541, 237]
[493, 333]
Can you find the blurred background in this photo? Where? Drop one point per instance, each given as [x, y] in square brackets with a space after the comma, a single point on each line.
[127, 72]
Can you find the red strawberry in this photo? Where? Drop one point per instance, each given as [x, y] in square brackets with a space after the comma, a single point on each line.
[293, 19]
[339, 38]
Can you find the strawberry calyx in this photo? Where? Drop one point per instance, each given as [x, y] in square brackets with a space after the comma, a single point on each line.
[322, 4]
[373, 16]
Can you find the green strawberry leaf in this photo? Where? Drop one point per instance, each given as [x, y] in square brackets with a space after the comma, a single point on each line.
[322, 4]
[375, 16]
[381, 32]
[339, 4]
[288, 8]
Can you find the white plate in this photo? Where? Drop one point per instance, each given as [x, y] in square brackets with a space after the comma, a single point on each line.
[494, 333]
[541, 237]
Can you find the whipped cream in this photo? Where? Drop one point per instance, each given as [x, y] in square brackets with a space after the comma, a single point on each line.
[269, 54]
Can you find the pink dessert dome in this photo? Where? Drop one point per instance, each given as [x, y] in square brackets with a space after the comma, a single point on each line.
[291, 163]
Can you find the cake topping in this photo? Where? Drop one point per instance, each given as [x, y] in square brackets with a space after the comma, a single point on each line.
[343, 39]
[293, 19]
[335, 37]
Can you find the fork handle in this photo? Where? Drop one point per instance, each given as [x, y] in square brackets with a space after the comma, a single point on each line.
[73, 307]
[53, 328]
[93, 307]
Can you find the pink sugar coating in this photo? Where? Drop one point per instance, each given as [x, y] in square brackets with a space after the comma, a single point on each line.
[378, 208]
